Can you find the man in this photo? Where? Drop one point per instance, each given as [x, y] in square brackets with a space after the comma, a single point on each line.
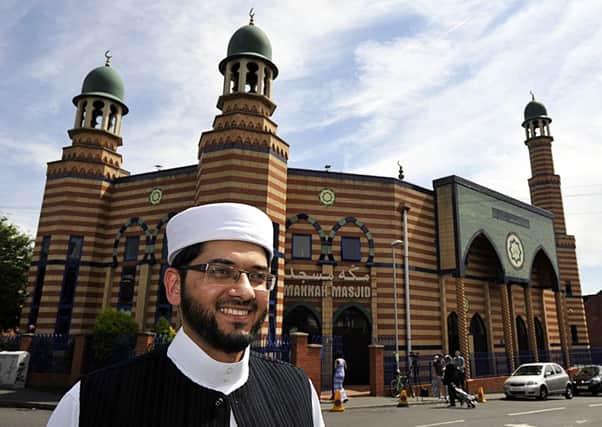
[219, 258]
[450, 378]
[461, 365]
[436, 374]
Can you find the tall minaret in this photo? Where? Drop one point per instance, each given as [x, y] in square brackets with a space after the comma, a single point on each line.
[74, 210]
[546, 193]
[242, 159]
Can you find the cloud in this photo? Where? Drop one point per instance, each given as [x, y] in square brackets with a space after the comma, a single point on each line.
[439, 86]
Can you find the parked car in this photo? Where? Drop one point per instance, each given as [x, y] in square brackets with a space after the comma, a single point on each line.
[588, 380]
[538, 380]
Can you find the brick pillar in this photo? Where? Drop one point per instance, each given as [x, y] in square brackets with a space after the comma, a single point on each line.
[507, 324]
[79, 353]
[377, 370]
[462, 324]
[26, 342]
[144, 341]
[531, 323]
[307, 357]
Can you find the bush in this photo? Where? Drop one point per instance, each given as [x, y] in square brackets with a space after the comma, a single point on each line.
[110, 327]
[162, 327]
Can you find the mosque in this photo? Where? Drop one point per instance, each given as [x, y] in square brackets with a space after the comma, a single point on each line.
[455, 266]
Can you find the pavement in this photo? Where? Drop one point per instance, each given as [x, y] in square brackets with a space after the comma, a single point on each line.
[359, 397]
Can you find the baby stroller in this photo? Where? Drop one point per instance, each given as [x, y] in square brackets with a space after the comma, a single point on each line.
[464, 397]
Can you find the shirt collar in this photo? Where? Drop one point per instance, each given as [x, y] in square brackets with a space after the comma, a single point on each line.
[197, 365]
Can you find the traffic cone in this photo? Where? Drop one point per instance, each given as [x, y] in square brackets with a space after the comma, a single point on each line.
[403, 399]
[338, 402]
[481, 395]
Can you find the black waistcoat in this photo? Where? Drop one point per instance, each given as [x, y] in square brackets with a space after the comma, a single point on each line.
[151, 391]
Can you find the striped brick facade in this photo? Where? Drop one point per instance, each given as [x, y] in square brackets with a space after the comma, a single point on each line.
[242, 159]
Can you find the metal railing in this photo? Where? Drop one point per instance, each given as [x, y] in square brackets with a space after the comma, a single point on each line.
[51, 353]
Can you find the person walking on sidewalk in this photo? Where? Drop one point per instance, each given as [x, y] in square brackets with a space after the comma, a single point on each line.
[340, 366]
[461, 365]
[437, 376]
[450, 378]
[219, 259]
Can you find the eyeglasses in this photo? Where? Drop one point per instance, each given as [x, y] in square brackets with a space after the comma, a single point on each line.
[223, 274]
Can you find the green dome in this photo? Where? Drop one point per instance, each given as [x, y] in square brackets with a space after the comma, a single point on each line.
[535, 110]
[250, 40]
[105, 82]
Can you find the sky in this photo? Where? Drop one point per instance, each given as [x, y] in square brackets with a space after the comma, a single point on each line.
[439, 86]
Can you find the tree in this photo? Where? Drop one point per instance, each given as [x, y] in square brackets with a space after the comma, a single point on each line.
[15, 257]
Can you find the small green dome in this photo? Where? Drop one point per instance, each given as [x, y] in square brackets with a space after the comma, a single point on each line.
[250, 40]
[535, 110]
[105, 82]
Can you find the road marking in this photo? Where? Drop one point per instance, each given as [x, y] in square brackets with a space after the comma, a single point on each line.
[581, 421]
[441, 424]
[539, 411]
[593, 405]
[518, 425]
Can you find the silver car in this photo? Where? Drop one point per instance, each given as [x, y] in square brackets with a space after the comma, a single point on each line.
[538, 380]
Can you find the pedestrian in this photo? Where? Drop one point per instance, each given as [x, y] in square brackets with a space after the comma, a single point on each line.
[450, 378]
[340, 366]
[461, 365]
[436, 375]
[219, 259]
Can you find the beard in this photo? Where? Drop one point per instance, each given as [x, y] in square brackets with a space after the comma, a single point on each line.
[203, 322]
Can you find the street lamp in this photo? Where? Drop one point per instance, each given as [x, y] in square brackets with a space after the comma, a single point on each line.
[394, 244]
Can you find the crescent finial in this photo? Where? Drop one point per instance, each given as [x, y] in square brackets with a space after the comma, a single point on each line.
[532, 95]
[108, 56]
[252, 16]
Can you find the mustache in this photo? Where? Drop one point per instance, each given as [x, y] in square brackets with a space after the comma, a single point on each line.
[250, 304]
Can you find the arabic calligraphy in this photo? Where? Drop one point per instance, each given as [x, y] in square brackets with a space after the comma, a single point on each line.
[345, 275]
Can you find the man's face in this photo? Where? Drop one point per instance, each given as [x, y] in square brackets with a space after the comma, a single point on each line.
[225, 316]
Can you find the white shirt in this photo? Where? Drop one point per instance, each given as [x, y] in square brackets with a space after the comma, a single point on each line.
[197, 365]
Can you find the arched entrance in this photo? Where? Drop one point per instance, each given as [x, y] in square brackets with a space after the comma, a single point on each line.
[352, 324]
[479, 349]
[300, 318]
[453, 337]
[523, 341]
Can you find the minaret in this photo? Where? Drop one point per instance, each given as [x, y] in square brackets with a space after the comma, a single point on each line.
[546, 193]
[74, 210]
[544, 183]
[242, 159]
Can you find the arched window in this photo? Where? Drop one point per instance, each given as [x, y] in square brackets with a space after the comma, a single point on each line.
[453, 337]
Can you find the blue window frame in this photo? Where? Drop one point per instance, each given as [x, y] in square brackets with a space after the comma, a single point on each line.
[41, 273]
[65, 308]
[131, 248]
[351, 249]
[164, 308]
[301, 246]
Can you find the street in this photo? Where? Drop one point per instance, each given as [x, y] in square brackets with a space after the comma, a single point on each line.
[17, 417]
[555, 412]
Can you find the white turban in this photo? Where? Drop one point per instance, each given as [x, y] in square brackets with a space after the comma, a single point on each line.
[219, 221]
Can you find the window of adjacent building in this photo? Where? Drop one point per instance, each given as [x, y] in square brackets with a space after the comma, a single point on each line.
[574, 334]
[301, 246]
[65, 308]
[351, 249]
[131, 248]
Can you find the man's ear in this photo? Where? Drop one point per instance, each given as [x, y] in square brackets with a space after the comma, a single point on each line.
[172, 283]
